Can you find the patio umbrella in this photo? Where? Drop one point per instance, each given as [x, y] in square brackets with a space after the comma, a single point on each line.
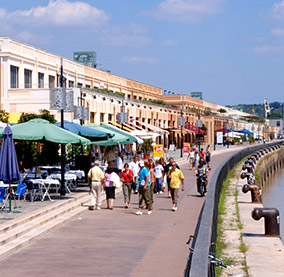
[89, 133]
[116, 137]
[9, 169]
[42, 130]
[131, 139]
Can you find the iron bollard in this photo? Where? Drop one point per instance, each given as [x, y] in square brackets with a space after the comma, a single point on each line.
[248, 167]
[250, 177]
[271, 220]
[250, 162]
[266, 150]
[250, 158]
[255, 192]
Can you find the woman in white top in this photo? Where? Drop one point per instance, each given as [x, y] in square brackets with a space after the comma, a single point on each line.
[159, 170]
[191, 158]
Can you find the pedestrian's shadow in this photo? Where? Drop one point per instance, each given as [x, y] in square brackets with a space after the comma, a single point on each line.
[195, 195]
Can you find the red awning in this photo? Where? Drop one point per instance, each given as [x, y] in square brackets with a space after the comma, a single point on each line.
[222, 130]
[195, 129]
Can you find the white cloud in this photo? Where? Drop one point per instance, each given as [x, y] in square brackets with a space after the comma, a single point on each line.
[277, 32]
[135, 59]
[59, 13]
[277, 11]
[182, 11]
[132, 35]
[267, 49]
[171, 42]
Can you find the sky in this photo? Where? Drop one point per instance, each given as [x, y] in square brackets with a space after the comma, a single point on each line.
[230, 50]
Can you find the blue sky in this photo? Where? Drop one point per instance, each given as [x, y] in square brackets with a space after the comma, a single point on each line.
[232, 51]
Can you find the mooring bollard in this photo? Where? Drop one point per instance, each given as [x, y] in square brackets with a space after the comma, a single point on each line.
[248, 167]
[250, 162]
[250, 158]
[256, 156]
[255, 192]
[271, 220]
[250, 177]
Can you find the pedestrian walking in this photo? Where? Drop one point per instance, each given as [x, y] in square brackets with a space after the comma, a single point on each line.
[118, 165]
[208, 156]
[134, 166]
[164, 177]
[159, 170]
[168, 167]
[191, 158]
[195, 157]
[201, 154]
[126, 176]
[144, 188]
[176, 177]
[109, 186]
[152, 181]
[96, 178]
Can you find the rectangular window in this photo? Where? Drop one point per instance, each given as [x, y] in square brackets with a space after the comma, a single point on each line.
[40, 80]
[135, 97]
[14, 74]
[79, 85]
[51, 81]
[88, 86]
[140, 98]
[28, 78]
[102, 117]
[109, 117]
[277, 123]
[71, 84]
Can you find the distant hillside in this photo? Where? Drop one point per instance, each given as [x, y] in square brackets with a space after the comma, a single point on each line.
[276, 109]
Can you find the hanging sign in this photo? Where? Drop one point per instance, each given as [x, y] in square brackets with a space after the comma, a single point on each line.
[186, 146]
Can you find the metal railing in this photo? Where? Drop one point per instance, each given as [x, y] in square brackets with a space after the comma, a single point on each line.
[207, 234]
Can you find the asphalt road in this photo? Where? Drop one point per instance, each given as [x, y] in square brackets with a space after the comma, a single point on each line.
[117, 242]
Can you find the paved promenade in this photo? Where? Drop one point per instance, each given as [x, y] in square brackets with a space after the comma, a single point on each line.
[118, 243]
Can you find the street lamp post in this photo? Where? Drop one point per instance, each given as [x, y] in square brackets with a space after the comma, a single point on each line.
[182, 123]
[199, 125]
[228, 139]
[62, 187]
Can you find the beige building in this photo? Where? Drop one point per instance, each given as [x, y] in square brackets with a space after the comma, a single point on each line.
[27, 73]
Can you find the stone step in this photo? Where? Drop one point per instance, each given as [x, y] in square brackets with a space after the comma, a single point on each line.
[40, 220]
[36, 233]
[40, 212]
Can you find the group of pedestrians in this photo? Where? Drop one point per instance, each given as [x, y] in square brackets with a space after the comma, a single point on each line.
[143, 177]
[195, 155]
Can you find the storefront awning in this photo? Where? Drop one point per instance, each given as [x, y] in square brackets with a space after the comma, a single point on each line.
[195, 129]
[153, 128]
[119, 125]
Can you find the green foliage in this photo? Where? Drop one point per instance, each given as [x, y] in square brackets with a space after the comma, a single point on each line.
[147, 146]
[221, 110]
[276, 107]
[155, 101]
[27, 151]
[207, 111]
[251, 139]
[275, 115]
[4, 116]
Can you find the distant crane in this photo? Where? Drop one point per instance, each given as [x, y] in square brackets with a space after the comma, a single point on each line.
[266, 107]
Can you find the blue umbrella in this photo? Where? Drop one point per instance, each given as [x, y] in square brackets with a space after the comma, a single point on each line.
[9, 169]
[91, 134]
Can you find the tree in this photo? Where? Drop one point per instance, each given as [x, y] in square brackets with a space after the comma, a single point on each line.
[46, 153]
[221, 110]
[207, 111]
[4, 116]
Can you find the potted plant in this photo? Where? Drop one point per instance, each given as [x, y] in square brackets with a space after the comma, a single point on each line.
[251, 140]
[146, 148]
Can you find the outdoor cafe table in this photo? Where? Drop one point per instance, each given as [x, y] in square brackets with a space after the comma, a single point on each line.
[44, 186]
[70, 179]
[79, 173]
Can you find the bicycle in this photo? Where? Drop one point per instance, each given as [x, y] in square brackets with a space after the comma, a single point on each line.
[212, 260]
